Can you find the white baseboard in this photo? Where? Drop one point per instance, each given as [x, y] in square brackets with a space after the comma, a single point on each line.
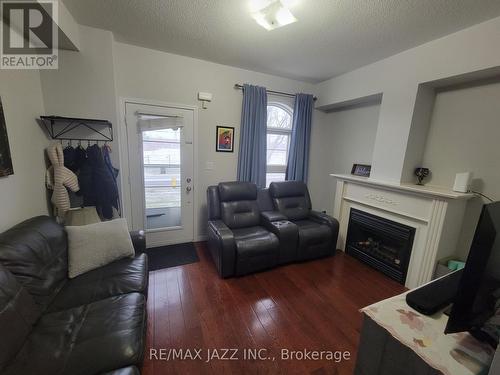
[201, 238]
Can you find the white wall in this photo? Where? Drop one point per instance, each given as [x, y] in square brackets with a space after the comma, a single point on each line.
[149, 74]
[398, 77]
[23, 194]
[84, 86]
[464, 136]
[319, 161]
[339, 140]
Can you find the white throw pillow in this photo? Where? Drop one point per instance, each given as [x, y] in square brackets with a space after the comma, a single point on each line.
[95, 245]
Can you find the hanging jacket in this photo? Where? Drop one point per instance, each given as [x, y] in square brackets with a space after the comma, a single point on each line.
[98, 185]
[85, 178]
[80, 157]
[70, 159]
[106, 150]
[107, 160]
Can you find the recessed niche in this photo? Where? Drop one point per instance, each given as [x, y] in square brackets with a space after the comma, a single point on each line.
[463, 135]
[351, 135]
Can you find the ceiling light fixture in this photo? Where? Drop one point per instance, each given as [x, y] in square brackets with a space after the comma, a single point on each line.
[271, 14]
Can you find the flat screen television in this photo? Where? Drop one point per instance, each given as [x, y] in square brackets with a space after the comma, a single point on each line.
[474, 301]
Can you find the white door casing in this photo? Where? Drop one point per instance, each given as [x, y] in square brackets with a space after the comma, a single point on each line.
[142, 117]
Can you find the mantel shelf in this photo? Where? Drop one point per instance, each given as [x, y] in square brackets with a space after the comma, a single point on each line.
[432, 191]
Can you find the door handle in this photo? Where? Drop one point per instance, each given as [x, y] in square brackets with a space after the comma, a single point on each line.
[188, 188]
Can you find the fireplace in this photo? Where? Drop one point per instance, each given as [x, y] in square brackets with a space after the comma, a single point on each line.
[383, 244]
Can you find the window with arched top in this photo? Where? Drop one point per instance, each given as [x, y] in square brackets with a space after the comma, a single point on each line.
[279, 133]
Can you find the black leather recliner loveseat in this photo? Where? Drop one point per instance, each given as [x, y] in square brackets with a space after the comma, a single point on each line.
[251, 229]
[49, 324]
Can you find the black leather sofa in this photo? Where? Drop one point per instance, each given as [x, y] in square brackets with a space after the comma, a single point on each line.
[250, 229]
[49, 324]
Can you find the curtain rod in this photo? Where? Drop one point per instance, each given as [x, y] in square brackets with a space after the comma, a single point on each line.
[238, 86]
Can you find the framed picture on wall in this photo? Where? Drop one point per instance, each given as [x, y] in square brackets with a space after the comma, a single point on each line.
[5, 158]
[225, 139]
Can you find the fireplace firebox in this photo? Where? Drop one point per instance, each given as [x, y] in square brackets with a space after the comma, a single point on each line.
[381, 243]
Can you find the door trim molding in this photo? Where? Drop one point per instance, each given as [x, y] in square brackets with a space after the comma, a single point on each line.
[126, 198]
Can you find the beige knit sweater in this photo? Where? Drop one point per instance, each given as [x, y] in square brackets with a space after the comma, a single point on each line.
[59, 178]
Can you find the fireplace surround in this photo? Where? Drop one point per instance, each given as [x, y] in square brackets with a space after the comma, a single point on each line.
[435, 214]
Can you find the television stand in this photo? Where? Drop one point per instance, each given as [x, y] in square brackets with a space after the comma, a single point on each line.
[396, 337]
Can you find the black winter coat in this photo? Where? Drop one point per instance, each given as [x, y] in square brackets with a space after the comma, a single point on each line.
[97, 185]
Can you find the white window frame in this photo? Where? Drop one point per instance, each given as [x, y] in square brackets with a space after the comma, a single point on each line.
[276, 168]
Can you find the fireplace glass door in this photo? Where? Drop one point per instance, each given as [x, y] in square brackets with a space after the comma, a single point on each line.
[383, 244]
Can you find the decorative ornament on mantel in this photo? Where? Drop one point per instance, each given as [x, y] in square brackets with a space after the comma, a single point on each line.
[421, 173]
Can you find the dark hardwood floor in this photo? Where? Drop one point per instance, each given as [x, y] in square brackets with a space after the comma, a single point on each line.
[311, 306]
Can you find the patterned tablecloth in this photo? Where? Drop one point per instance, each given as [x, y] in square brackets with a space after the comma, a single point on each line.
[453, 354]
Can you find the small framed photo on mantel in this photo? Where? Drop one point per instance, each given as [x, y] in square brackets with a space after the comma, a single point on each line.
[225, 139]
[362, 170]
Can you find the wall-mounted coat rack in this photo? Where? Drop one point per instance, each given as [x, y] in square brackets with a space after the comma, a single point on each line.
[78, 129]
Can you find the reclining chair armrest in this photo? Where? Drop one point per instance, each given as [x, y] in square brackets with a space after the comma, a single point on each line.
[138, 240]
[222, 247]
[221, 229]
[286, 231]
[268, 217]
[321, 218]
[325, 219]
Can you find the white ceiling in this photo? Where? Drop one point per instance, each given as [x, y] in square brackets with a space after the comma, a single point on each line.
[331, 37]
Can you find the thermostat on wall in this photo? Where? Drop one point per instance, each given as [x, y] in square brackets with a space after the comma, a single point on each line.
[205, 96]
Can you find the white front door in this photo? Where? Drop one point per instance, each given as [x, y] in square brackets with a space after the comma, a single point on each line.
[160, 153]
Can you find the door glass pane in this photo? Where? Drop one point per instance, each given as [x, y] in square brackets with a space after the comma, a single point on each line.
[162, 177]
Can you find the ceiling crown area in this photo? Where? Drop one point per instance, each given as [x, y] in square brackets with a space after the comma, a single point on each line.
[329, 38]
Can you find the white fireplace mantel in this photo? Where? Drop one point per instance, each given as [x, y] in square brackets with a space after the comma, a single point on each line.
[410, 188]
[435, 213]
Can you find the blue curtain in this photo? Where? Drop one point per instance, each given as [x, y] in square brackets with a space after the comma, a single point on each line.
[253, 138]
[298, 156]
